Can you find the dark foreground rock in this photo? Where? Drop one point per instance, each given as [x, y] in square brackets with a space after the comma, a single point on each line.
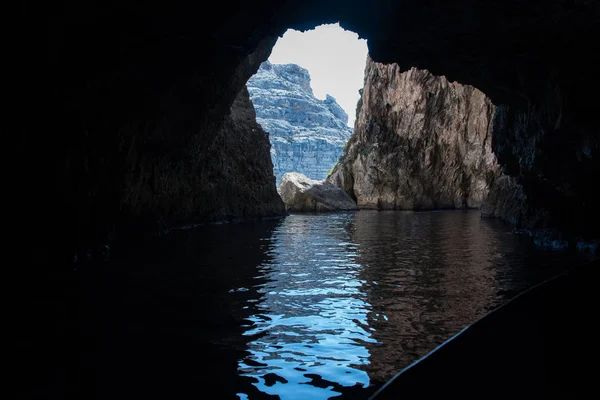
[300, 193]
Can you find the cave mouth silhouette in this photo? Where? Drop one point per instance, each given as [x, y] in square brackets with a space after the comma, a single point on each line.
[103, 86]
[320, 72]
[158, 82]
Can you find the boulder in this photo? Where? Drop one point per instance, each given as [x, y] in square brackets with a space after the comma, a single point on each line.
[300, 193]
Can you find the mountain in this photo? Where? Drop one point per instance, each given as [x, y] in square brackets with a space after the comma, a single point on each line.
[307, 134]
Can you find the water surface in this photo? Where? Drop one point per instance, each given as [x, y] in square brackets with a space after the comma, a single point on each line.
[307, 307]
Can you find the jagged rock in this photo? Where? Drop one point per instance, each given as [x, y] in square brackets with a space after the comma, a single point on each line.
[300, 193]
[420, 142]
[505, 201]
[158, 77]
[307, 134]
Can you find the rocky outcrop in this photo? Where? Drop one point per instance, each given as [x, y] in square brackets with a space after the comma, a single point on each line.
[307, 134]
[420, 142]
[226, 177]
[301, 193]
[162, 73]
[181, 163]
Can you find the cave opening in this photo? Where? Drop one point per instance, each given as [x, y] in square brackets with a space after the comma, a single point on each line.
[305, 97]
[145, 128]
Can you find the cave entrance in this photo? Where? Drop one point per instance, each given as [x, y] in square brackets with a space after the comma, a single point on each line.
[305, 96]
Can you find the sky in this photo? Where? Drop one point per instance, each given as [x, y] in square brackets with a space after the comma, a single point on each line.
[334, 57]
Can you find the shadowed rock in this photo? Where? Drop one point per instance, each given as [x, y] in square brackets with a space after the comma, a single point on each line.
[127, 118]
[300, 193]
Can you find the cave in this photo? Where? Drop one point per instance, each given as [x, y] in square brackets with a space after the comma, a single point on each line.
[123, 116]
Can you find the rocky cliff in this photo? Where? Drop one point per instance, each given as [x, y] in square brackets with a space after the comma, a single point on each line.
[128, 174]
[420, 142]
[94, 77]
[307, 134]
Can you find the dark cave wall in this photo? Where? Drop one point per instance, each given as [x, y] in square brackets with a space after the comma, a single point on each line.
[99, 82]
[134, 130]
[551, 148]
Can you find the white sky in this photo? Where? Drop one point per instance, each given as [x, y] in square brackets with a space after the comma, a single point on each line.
[334, 57]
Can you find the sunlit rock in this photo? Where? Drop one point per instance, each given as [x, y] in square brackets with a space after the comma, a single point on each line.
[420, 142]
[307, 134]
[300, 193]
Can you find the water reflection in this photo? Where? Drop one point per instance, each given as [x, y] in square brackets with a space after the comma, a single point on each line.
[344, 301]
[428, 276]
[310, 326]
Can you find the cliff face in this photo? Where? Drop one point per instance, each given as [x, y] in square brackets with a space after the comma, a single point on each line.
[180, 162]
[307, 134]
[420, 142]
[226, 177]
[94, 78]
[553, 161]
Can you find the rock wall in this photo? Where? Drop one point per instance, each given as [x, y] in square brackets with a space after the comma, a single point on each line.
[420, 142]
[94, 77]
[307, 134]
[226, 177]
[553, 159]
[153, 158]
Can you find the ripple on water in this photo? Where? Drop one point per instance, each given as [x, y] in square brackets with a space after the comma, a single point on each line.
[349, 299]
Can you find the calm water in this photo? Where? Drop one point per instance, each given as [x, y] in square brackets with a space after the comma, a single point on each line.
[307, 307]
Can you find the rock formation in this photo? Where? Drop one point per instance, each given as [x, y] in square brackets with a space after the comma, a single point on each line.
[95, 78]
[112, 89]
[420, 142]
[307, 134]
[300, 193]
[505, 201]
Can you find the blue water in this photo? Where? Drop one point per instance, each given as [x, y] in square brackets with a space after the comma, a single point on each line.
[347, 300]
[306, 307]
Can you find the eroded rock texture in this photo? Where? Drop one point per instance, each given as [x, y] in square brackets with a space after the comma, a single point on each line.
[146, 154]
[225, 177]
[94, 78]
[420, 142]
[300, 193]
[307, 134]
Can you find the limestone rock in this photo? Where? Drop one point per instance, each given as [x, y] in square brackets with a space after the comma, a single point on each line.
[300, 193]
[420, 142]
[307, 134]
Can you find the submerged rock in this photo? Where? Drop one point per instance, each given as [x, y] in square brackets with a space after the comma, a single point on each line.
[307, 134]
[300, 193]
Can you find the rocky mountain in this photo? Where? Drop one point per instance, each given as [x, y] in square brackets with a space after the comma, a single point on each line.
[420, 142]
[307, 134]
